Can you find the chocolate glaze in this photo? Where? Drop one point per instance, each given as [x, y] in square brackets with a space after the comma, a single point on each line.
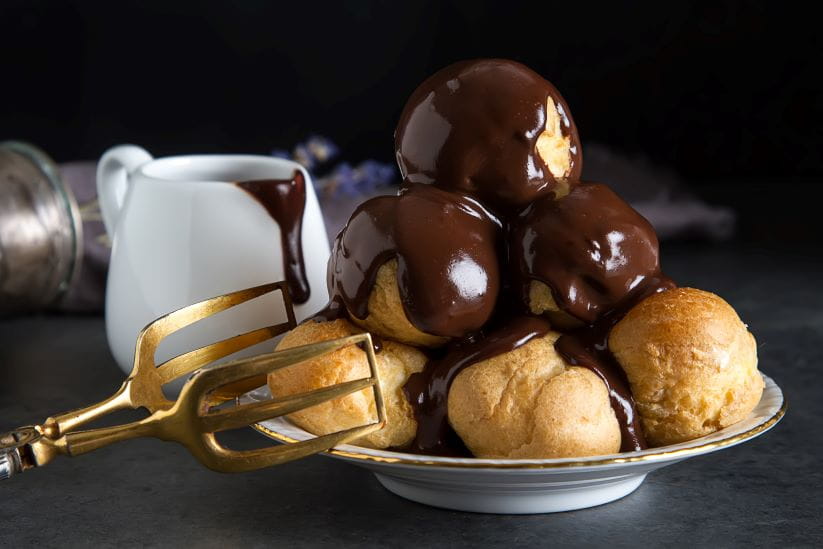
[447, 268]
[473, 126]
[446, 246]
[428, 391]
[364, 244]
[285, 200]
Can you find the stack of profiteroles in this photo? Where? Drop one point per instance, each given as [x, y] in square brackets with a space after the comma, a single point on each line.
[518, 312]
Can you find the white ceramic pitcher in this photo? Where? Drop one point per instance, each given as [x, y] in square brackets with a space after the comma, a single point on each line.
[183, 232]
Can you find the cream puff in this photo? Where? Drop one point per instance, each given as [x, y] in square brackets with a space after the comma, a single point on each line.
[395, 363]
[528, 403]
[691, 364]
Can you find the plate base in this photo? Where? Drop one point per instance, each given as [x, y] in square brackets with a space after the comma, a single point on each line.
[519, 499]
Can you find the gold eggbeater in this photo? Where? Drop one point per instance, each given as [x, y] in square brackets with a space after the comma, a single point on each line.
[208, 402]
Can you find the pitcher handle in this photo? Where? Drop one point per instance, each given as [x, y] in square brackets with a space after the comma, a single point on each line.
[113, 173]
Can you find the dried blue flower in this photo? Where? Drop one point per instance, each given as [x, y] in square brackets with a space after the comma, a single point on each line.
[372, 174]
[317, 151]
[342, 180]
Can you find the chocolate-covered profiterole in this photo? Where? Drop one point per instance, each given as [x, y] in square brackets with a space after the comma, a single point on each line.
[285, 200]
[590, 247]
[446, 249]
[476, 126]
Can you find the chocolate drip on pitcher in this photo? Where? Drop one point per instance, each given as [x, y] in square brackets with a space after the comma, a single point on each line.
[285, 201]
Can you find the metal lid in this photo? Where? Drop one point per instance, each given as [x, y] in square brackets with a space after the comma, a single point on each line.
[43, 230]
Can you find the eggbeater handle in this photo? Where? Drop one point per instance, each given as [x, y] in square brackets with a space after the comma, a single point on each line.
[15, 447]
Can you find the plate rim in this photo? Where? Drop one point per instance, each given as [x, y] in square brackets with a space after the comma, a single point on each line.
[418, 460]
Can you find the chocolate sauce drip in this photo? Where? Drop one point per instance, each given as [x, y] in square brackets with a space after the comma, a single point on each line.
[376, 343]
[446, 246]
[588, 347]
[364, 244]
[285, 200]
[428, 391]
[590, 247]
[473, 127]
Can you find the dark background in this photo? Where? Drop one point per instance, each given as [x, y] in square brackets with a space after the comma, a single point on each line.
[728, 95]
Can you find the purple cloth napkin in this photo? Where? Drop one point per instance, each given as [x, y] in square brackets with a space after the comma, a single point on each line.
[87, 294]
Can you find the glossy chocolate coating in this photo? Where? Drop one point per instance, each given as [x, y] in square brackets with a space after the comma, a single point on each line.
[447, 265]
[364, 244]
[285, 200]
[590, 247]
[473, 127]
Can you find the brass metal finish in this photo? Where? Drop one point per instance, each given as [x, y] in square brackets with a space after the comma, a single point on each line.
[196, 415]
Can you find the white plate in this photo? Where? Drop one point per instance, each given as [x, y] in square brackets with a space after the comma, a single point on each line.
[530, 485]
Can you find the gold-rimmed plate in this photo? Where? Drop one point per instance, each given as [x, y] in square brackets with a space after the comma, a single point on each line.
[530, 485]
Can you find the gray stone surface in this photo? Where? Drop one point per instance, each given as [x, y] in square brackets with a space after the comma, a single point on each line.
[767, 492]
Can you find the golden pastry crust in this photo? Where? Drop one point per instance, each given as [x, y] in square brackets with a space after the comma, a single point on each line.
[541, 299]
[541, 302]
[386, 316]
[528, 403]
[691, 363]
[395, 363]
